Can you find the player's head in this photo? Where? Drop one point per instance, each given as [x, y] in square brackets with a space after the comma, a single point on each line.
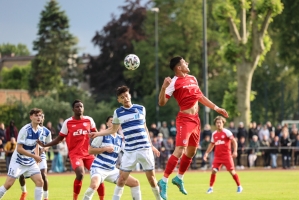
[179, 64]
[219, 122]
[36, 115]
[78, 107]
[124, 96]
[109, 121]
[42, 120]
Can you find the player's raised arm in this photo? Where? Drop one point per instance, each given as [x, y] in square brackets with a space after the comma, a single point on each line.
[162, 95]
[108, 131]
[206, 102]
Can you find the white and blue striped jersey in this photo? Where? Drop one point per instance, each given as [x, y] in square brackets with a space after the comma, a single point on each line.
[28, 138]
[45, 137]
[107, 160]
[132, 121]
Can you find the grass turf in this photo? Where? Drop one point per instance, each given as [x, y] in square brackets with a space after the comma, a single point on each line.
[257, 184]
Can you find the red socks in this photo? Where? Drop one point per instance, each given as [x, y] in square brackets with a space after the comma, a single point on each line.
[236, 178]
[184, 164]
[212, 179]
[77, 186]
[171, 164]
[101, 191]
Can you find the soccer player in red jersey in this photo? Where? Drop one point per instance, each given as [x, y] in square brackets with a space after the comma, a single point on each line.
[75, 129]
[222, 139]
[185, 90]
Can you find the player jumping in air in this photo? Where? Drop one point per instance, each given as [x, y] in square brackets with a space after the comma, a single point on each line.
[222, 139]
[106, 149]
[75, 129]
[45, 137]
[138, 147]
[185, 90]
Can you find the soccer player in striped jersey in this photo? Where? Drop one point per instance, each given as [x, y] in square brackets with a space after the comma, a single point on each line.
[75, 130]
[138, 147]
[25, 157]
[222, 139]
[106, 149]
[45, 137]
[184, 88]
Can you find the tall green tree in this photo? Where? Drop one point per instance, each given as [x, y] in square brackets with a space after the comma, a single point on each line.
[247, 41]
[54, 45]
[17, 50]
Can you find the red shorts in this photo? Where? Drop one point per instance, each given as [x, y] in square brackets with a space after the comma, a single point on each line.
[228, 163]
[78, 161]
[188, 130]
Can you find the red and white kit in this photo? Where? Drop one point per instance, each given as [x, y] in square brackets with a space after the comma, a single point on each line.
[222, 149]
[186, 92]
[77, 139]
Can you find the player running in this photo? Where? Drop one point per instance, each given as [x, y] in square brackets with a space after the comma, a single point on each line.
[75, 129]
[45, 137]
[103, 167]
[25, 157]
[222, 139]
[185, 90]
[138, 147]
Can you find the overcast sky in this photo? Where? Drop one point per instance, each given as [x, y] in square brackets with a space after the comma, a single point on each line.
[19, 20]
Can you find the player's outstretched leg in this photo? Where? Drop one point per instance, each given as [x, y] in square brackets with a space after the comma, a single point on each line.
[180, 183]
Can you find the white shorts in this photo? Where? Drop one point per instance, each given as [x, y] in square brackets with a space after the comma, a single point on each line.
[43, 164]
[105, 175]
[15, 170]
[143, 156]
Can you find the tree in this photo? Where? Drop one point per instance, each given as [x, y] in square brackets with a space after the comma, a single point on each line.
[16, 50]
[115, 42]
[247, 22]
[15, 78]
[55, 46]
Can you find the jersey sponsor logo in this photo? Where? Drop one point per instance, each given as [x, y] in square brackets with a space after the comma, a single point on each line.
[219, 142]
[189, 85]
[80, 132]
[129, 119]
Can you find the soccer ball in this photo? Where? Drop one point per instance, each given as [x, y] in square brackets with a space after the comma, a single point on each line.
[131, 62]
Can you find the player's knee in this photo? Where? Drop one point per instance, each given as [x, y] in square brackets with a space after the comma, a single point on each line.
[135, 183]
[79, 176]
[214, 170]
[39, 183]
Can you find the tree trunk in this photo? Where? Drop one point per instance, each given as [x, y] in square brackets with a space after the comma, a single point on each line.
[244, 77]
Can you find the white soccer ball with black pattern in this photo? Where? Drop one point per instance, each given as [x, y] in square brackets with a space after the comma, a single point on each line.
[131, 62]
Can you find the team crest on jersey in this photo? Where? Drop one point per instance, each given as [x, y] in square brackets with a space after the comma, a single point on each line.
[84, 124]
[222, 136]
[192, 81]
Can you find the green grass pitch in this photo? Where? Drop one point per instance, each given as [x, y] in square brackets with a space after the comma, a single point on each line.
[257, 184]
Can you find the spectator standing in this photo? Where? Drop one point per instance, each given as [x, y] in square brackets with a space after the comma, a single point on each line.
[154, 129]
[63, 150]
[275, 145]
[254, 146]
[242, 132]
[296, 150]
[169, 146]
[206, 131]
[172, 129]
[53, 135]
[1, 150]
[294, 132]
[2, 133]
[278, 130]
[286, 143]
[265, 144]
[264, 131]
[233, 129]
[252, 131]
[59, 125]
[269, 126]
[164, 130]
[241, 150]
[163, 151]
[11, 131]
[9, 148]
[204, 146]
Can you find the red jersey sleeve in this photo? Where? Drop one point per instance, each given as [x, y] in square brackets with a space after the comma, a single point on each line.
[64, 130]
